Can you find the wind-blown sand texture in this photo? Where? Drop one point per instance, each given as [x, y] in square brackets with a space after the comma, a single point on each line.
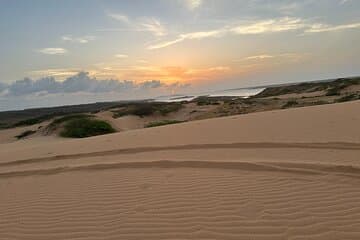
[288, 174]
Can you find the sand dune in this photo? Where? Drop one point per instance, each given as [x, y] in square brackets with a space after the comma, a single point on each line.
[291, 174]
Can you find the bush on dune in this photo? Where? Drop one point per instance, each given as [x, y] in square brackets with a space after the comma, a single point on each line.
[162, 123]
[350, 97]
[33, 121]
[148, 109]
[85, 127]
[290, 104]
[25, 134]
[69, 117]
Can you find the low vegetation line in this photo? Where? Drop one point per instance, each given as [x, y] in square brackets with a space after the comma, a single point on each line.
[162, 123]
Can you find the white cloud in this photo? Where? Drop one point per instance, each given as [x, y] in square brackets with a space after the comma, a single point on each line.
[273, 58]
[257, 57]
[84, 39]
[154, 26]
[318, 28]
[259, 27]
[121, 56]
[200, 35]
[193, 35]
[193, 4]
[270, 26]
[277, 25]
[165, 44]
[59, 73]
[151, 25]
[53, 51]
[344, 1]
[119, 17]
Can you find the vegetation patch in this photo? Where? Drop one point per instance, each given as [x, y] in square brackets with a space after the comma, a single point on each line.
[69, 117]
[289, 104]
[86, 127]
[332, 87]
[204, 100]
[162, 123]
[33, 121]
[148, 109]
[350, 97]
[335, 91]
[3, 125]
[25, 134]
[320, 102]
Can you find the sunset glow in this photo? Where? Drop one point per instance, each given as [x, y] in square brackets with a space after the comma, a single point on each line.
[200, 44]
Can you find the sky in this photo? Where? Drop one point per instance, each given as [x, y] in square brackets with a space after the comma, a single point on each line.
[77, 51]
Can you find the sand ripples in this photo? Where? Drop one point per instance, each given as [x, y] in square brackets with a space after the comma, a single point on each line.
[182, 200]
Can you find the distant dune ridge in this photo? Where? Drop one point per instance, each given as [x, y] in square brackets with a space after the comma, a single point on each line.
[284, 174]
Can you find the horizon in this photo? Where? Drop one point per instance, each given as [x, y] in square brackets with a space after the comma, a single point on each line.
[74, 52]
[194, 95]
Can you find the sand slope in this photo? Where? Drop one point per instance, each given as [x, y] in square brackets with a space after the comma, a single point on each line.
[291, 174]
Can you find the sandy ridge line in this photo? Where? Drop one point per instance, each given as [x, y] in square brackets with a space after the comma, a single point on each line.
[242, 145]
[308, 169]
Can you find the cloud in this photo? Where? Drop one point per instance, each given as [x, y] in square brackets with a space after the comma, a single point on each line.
[165, 44]
[119, 17]
[318, 28]
[84, 39]
[154, 26]
[121, 56]
[58, 73]
[183, 37]
[193, 4]
[258, 27]
[263, 56]
[275, 57]
[344, 1]
[80, 82]
[270, 26]
[151, 25]
[167, 74]
[53, 51]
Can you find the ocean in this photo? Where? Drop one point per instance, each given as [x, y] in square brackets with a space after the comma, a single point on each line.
[238, 92]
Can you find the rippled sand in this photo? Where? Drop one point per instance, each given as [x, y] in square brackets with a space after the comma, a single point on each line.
[291, 174]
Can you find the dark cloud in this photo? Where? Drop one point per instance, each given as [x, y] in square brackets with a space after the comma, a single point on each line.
[78, 89]
[80, 82]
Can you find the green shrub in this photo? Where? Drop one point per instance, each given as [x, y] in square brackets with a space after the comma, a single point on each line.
[333, 92]
[25, 134]
[162, 123]
[85, 127]
[320, 102]
[148, 109]
[32, 121]
[204, 100]
[290, 103]
[349, 97]
[168, 108]
[69, 117]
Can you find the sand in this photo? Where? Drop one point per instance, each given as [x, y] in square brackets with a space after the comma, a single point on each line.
[286, 174]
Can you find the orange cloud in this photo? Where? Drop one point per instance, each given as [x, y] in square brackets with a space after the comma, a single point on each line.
[164, 73]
